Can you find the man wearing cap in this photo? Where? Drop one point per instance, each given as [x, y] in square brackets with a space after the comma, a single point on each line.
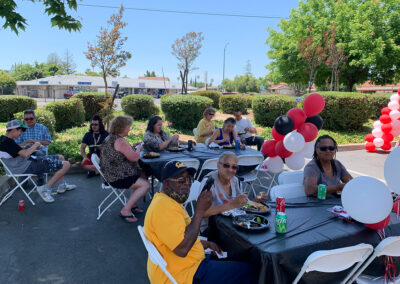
[21, 161]
[168, 226]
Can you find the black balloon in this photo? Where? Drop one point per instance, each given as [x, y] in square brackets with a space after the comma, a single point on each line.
[316, 120]
[283, 124]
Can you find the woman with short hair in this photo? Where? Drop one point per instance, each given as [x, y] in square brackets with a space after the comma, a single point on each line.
[226, 135]
[206, 127]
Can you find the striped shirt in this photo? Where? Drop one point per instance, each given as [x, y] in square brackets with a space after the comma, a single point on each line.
[37, 132]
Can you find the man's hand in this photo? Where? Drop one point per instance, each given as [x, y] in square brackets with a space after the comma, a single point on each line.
[203, 202]
[239, 201]
[211, 245]
[36, 145]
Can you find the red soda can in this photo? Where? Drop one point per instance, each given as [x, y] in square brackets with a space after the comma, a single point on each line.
[21, 205]
[280, 204]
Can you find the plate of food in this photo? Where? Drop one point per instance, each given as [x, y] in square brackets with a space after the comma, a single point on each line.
[176, 149]
[151, 155]
[230, 146]
[255, 207]
[251, 222]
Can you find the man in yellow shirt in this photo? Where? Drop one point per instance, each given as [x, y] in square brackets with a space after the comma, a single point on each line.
[168, 226]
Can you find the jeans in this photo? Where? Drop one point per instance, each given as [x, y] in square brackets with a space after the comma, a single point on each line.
[219, 271]
[254, 140]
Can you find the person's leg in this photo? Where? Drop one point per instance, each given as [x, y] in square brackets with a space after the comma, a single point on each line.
[59, 175]
[259, 141]
[139, 189]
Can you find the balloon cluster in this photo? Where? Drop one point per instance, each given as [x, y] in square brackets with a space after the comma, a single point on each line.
[293, 135]
[386, 128]
[369, 200]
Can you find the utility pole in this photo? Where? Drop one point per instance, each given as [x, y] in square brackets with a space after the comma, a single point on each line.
[223, 72]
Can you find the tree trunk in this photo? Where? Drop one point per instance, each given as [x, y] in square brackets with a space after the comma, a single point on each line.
[183, 81]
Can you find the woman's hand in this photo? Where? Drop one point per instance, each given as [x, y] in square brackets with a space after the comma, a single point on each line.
[239, 201]
[242, 146]
[175, 137]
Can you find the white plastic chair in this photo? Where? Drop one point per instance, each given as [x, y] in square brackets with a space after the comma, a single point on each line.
[291, 177]
[389, 247]
[210, 164]
[290, 190]
[15, 177]
[194, 131]
[118, 193]
[195, 191]
[336, 260]
[248, 161]
[154, 255]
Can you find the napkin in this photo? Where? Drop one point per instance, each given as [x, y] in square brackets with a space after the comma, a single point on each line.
[214, 145]
[223, 254]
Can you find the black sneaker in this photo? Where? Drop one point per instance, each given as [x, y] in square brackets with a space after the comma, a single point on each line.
[91, 174]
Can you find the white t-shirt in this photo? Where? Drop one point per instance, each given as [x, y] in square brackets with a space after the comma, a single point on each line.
[241, 125]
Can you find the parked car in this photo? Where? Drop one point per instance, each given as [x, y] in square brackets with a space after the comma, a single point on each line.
[68, 95]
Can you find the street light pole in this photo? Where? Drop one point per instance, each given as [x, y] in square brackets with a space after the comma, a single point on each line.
[223, 71]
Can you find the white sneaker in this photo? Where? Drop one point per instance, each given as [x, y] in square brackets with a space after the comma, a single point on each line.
[64, 187]
[44, 193]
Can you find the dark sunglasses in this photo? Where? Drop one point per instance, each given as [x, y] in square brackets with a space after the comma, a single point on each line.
[326, 148]
[183, 180]
[227, 166]
[212, 114]
[95, 124]
[29, 119]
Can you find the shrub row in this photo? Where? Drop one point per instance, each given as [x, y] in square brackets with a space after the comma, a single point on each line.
[139, 106]
[214, 95]
[44, 117]
[376, 102]
[184, 111]
[93, 102]
[267, 108]
[230, 103]
[68, 113]
[10, 104]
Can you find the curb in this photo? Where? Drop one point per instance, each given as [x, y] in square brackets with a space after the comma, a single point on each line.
[355, 147]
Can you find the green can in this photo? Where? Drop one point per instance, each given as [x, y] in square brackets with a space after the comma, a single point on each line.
[281, 222]
[322, 191]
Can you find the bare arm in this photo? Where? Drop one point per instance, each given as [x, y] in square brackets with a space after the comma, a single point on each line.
[121, 145]
[238, 202]
[27, 152]
[346, 178]
[311, 187]
[214, 137]
[82, 151]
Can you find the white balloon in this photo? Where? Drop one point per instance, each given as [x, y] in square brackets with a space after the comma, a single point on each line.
[394, 114]
[377, 124]
[295, 161]
[294, 141]
[394, 98]
[393, 105]
[378, 142]
[377, 132]
[396, 124]
[367, 200]
[391, 170]
[395, 132]
[274, 165]
[308, 150]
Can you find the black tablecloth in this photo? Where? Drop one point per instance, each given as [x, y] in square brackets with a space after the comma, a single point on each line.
[310, 227]
[155, 166]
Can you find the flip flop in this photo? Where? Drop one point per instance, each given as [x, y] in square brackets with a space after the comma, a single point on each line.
[136, 209]
[129, 216]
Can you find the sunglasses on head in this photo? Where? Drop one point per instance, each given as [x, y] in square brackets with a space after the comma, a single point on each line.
[29, 118]
[326, 148]
[233, 167]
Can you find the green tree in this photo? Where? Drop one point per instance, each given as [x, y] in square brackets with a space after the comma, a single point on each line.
[56, 9]
[68, 63]
[7, 83]
[27, 72]
[246, 83]
[150, 74]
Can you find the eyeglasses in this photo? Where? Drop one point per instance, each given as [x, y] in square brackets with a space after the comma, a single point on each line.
[212, 114]
[227, 166]
[29, 118]
[95, 124]
[326, 148]
[183, 180]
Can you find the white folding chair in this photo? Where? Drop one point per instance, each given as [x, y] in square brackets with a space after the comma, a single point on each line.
[248, 161]
[290, 190]
[117, 192]
[195, 191]
[194, 131]
[25, 178]
[265, 177]
[291, 177]
[389, 247]
[155, 255]
[336, 260]
[210, 164]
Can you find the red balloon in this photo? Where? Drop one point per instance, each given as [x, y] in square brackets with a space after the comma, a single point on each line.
[268, 148]
[309, 131]
[386, 146]
[276, 135]
[370, 147]
[298, 116]
[313, 104]
[380, 225]
[281, 150]
[396, 207]
[387, 137]
[398, 91]
[369, 137]
[386, 128]
[385, 118]
[385, 110]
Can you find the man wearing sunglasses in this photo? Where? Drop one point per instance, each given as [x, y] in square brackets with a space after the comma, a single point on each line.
[168, 226]
[36, 132]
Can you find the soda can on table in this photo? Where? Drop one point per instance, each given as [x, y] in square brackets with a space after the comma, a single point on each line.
[190, 145]
[281, 223]
[322, 191]
[280, 204]
[21, 205]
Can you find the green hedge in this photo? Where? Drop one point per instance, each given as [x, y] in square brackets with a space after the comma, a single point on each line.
[214, 95]
[9, 105]
[93, 102]
[43, 116]
[376, 102]
[68, 113]
[249, 100]
[139, 106]
[267, 108]
[230, 103]
[184, 111]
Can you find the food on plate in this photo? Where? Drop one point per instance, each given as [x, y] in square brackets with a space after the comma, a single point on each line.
[151, 155]
[255, 206]
[176, 149]
[251, 222]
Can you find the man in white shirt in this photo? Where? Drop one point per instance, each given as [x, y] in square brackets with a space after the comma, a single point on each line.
[245, 129]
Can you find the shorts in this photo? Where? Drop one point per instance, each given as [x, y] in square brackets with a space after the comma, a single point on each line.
[125, 183]
[88, 162]
[45, 164]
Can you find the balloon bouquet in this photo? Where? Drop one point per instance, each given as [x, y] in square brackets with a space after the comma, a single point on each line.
[386, 128]
[293, 135]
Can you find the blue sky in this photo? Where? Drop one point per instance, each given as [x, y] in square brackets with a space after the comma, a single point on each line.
[150, 35]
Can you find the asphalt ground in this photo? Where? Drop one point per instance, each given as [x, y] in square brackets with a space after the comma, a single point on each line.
[62, 242]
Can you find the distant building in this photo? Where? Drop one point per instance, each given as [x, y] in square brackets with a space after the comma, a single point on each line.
[209, 88]
[57, 86]
[371, 88]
